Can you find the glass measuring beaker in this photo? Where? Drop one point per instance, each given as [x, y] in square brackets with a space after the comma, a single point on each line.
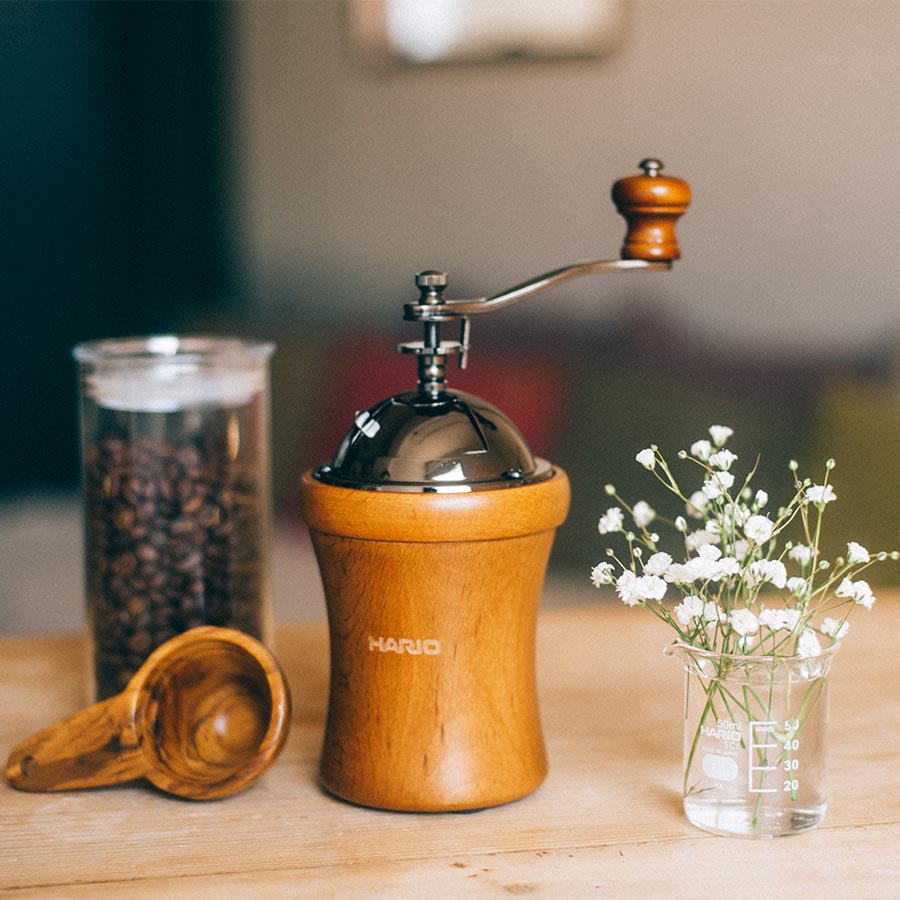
[176, 485]
[754, 741]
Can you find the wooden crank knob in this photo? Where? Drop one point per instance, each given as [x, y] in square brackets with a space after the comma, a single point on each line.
[651, 204]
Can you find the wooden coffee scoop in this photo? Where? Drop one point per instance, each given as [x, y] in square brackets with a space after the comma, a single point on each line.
[202, 718]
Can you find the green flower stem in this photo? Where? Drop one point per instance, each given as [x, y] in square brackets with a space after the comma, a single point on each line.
[689, 762]
[715, 685]
[761, 753]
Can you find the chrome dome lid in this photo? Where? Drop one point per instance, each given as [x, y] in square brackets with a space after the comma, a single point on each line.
[449, 443]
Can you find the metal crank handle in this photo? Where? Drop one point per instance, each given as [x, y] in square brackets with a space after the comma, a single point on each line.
[650, 203]
[446, 310]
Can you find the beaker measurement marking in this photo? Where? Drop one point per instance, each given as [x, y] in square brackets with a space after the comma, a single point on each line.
[767, 729]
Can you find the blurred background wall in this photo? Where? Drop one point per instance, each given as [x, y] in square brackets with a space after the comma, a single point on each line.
[235, 167]
[781, 114]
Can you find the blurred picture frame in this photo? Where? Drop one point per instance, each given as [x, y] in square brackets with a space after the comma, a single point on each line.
[416, 33]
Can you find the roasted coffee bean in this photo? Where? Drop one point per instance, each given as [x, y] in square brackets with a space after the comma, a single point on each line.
[146, 553]
[174, 539]
[137, 605]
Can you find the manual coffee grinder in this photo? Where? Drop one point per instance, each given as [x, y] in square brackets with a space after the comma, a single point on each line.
[432, 528]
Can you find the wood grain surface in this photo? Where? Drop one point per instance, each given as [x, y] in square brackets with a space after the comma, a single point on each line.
[433, 696]
[607, 820]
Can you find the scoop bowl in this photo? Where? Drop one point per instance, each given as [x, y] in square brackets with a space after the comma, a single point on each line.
[203, 717]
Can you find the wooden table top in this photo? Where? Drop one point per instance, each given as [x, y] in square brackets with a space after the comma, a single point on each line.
[606, 822]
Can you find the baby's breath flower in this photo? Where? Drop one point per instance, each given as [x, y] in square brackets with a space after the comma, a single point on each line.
[743, 621]
[720, 434]
[709, 551]
[658, 564]
[643, 514]
[679, 573]
[856, 553]
[820, 494]
[801, 553]
[834, 628]
[778, 619]
[712, 612]
[761, 499]
[717, 484]
[680, 524]
[740, 548]
[799, 587]
[771, 570]
[722, 460]
[702, 568]
[701, 449]
[602, 574]
[626, 588]
[857, 591]
[862, 594]
[734, 515]
[758, 529]
[699, 538]
[697, 504]
[689, 609]
[633, 589]
[808, 645]
[708, 565]
[647, 458]
[611, 521]
[844, 589]
[726, 567]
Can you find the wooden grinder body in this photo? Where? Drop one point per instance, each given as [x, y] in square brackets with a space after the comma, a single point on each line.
[432, 605]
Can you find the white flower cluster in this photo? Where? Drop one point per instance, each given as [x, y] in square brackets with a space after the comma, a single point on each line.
[735, 559]
[857, 591]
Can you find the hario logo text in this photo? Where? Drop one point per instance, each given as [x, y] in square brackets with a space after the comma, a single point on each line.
[429, 646]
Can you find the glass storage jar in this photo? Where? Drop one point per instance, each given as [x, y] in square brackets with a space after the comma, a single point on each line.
[176, 487]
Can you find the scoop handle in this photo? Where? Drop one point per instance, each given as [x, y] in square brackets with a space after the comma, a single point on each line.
[96, 746]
